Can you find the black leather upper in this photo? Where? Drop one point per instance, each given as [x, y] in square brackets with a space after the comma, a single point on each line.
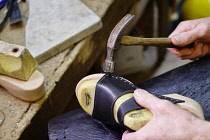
[108, 90]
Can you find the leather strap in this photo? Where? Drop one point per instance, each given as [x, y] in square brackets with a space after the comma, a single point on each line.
[125, 107]
[131, 104]
[107, 92]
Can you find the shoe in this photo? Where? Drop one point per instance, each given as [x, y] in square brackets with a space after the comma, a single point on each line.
[109, 99]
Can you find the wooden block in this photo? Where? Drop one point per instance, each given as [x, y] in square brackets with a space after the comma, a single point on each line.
[55, 25]
[16, 61]
[30, 90]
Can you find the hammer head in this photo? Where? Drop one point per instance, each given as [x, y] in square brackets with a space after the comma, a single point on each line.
[114, 42]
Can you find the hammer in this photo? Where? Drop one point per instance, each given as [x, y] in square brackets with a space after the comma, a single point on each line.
[116, 38]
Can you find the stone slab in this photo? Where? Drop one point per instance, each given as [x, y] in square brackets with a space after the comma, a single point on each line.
[55, 25]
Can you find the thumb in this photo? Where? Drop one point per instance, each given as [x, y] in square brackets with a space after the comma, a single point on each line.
[145, 99]
[184, 38]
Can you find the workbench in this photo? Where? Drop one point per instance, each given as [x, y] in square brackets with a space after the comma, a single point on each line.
[26, 120]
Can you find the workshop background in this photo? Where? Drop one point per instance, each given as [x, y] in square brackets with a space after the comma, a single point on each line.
[69, 45]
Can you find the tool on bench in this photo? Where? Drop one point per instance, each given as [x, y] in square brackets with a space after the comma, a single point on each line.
[116, 39]
[15, 15]
[2, 3]
[8, 13]
[13, 12]
[18, 72]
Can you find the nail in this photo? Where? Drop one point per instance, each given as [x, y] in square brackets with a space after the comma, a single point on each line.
[178, 38]
[200, 44]
[188, 52]
[139, 92]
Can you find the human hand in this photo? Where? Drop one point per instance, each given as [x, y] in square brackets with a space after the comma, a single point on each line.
[189, 31]
[168, 122]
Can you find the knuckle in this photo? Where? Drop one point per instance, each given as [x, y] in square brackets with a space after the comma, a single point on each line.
[145, 99]
[197, 54]
[183, 23]
[187, 36]
[177, 52]
[203, 29]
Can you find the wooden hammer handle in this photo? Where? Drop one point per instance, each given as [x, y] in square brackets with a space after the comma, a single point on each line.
[159, 42]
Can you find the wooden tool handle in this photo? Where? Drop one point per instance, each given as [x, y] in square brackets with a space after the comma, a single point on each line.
[159, 42]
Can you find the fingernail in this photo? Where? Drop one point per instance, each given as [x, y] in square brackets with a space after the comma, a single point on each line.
[139, 92]
[177, 38]
[188, 52]
[200, 44]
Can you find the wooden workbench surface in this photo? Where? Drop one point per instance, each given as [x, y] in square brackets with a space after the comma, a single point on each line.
[62, 72]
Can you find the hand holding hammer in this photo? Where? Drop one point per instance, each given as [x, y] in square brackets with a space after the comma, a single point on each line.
[116, 39]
